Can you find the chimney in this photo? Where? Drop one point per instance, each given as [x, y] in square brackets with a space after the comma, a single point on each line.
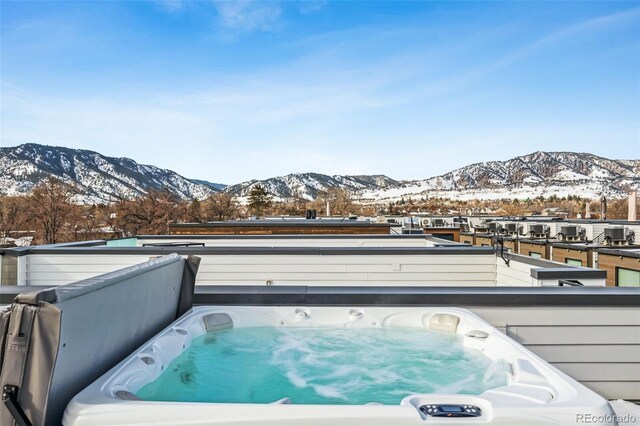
[603, 208]
[587, 213]
[632, 206]
[328, 209]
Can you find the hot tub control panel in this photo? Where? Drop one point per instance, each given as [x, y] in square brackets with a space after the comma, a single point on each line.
[451, 410]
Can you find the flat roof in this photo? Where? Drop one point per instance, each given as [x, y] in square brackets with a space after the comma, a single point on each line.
[457, 249]
[633, 252]
[539, 242]
[277, 236]
[447, 228]
[582, 245]
[275, 222]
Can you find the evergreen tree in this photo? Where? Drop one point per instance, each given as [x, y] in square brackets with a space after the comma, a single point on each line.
[259, 200]
[194, 211]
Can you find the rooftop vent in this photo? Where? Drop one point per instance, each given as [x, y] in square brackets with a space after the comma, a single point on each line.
[537, 229]
[510, 228]
[572, 233]
[614, 235]
[569, 231]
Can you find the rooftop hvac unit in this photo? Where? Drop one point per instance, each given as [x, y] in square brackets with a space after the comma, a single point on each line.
[537, 229]
[425, 223]
[438, 222]
[614, 234]
[493, 226]
[511, 228]
[569, 231]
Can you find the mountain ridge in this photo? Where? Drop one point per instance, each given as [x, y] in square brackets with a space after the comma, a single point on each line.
[100, 178]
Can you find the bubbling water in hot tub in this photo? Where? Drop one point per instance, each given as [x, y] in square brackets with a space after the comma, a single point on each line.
[322, 365]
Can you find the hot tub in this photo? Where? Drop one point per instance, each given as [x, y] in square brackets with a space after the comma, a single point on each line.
[333, 365]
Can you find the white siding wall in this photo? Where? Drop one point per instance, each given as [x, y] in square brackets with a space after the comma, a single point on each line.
[475, 221]
[526, 227]
[517, 274]
[382, 270]
[56, 269]
[554, 227]
[598, 346]
[594, 229]
[329, 270]
[371, 269]
[22, 268]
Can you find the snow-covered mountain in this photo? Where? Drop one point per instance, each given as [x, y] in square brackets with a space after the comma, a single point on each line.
[528, 176]
[541, 173]
[97, 177]
[214, 185]
[307, 185]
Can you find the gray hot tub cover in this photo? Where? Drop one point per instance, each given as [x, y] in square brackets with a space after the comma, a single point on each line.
[57, 341]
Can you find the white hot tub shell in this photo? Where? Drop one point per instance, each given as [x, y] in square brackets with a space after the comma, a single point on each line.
[535, 394]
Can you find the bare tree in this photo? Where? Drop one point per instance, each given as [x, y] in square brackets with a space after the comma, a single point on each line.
[9, 215]
[296, 204]
[221, 206]
[149, 214]
[93, 223]
[342, 201]
[12, 218]
[51, 209]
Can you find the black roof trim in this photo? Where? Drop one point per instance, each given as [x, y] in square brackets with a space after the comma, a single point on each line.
[634, 253]
[417, 296]
[543, 263]
[568, 273]
[578, 245]
[541, 242]
[397, 296]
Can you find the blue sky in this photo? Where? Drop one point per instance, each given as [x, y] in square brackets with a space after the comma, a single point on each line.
[228, 91]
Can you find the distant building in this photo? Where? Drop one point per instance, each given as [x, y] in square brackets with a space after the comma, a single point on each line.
[555, 211]
[622, 265]
[281, 227]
